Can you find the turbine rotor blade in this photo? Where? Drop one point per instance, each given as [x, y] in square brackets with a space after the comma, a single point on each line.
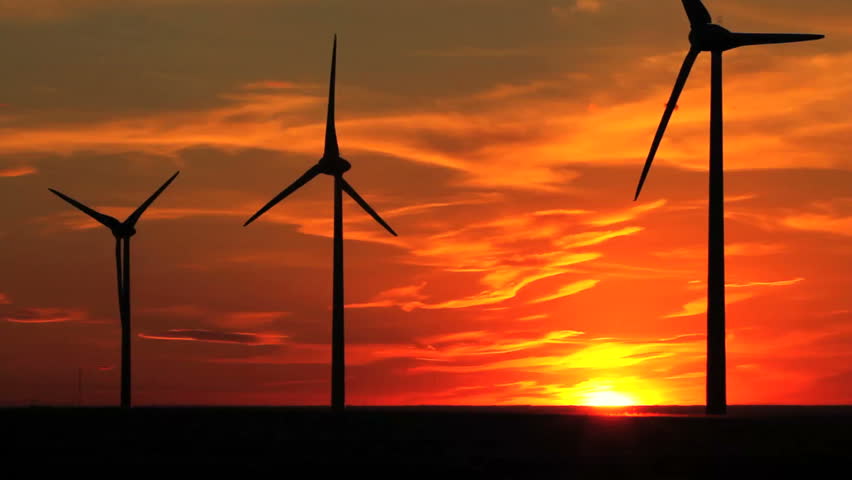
[305, 178]
[688, 62]
[134, 217]
[743, 39]
[331, 147]
[697, 12]
[104, 220]
[367, 208]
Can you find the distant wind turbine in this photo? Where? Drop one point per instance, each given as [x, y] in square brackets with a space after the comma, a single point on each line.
[332, 164]
[122, 231]
[707, 37]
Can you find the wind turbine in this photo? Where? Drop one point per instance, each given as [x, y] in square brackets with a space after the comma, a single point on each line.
[708, 37]
[334, 165]
[122, 231]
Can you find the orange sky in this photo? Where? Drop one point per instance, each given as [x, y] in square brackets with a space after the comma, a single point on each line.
[502, 139]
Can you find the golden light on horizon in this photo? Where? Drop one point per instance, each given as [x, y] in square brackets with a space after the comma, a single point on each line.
[615, 392]
[608, 399]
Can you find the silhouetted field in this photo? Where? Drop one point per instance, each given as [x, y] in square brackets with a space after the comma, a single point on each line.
[424, 442]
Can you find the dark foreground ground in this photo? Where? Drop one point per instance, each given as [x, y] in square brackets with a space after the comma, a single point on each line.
[493, 443]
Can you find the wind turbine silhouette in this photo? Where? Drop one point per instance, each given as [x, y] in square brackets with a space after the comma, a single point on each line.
[708, 37]
[332, 164]
[122, 231]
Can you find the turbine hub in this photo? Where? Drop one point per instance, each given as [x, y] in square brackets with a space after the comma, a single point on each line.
[123, 231]
[334, 165]
[711, 37]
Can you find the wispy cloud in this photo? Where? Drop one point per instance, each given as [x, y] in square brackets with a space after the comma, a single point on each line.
[626, 215]
[17, 171]
[779, 283]
[699, 306]
[820, 223]
[506, 263]
[568, 290]
[503, 286]
[497, 134]
[734, 249]
[442, 349]
[577, 6]
[477, 343]
[590, 354]
[561, 212]
[640, 391]
[43, 315]
[211, 336]
[588, 239]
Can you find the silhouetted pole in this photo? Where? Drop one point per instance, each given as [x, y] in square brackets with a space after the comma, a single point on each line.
[334, 165]
[338, 355]
[122, 231]
[119, 262]
[125, 331]
[716, 396]
[705, 36]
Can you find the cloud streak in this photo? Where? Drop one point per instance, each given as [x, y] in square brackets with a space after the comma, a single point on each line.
[568, 290]
[11, 172]
[43, 316]
[210, 336]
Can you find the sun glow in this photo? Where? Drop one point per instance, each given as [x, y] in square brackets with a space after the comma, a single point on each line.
[615, 391]
[608, 399]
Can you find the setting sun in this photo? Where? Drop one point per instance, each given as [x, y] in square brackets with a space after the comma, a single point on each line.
[608, 399]
[616, 392]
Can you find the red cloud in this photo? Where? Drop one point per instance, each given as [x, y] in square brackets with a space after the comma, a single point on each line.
[17, 171]
[211, 336]
[43, 315]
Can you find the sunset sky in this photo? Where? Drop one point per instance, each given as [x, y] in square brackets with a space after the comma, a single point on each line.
[502, 139]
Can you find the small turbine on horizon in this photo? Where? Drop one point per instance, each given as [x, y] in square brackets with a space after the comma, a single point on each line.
[122, 231]
[334, 165]
[708, 37]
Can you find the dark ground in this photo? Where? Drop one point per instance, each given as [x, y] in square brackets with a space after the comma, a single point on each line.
[494, 443]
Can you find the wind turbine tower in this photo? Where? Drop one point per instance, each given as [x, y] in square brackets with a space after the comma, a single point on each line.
[706, 36]
[122, 231]
[334, 165]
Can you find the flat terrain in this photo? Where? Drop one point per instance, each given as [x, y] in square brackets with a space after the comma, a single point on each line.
[406, 443]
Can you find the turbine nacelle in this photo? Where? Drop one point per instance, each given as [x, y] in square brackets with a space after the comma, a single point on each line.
[710, 37]
[123, 230]
[334, 165]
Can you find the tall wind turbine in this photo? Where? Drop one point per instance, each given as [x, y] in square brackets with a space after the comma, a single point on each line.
[122, 231]
[332, 164]
[707, 37]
